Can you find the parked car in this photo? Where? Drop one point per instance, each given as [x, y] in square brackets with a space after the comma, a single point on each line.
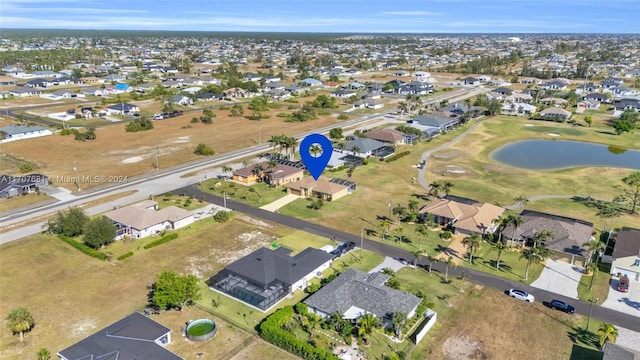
[623, 283]
[521, 295]
[562, 306]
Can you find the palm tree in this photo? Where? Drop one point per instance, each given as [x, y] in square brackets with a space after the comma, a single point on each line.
[258, 171]
[399, 211]
[355, 150]
[594, 246]
[500, 246]
[315, 149]
[431, 259]
[43, 354]
[472, 243]
[446, 269]
[516, 221]
[400, 232]
[412, 206]
[226, 169]
[422, 230]
[384, 225]
[541, 237]
[272, 164]
[446, 187]
[274, 141]
[533, 255]
[20, 321]
[434, 189]
[521, 201]
[607, 332]
[366, 324]
[502, 222]
[388, 271]
[399, 319]
[402, 107]
[417, 256]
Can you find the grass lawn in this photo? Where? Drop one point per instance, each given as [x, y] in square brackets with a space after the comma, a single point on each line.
[180, 201]
[600, 286]
[579, 210]
[262, 350]
[23, 200]
[243, 193]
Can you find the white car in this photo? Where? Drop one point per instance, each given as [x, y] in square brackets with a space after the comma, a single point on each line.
[521, 295]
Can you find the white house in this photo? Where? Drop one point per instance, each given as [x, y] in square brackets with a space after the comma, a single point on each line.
[626, 254]
[21, 132]
[422, 76]
[143, 219]
[123, 109]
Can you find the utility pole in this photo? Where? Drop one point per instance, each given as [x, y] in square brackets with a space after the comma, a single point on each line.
[361, 242]
[157, 158]
[590, 310]
[224, 199]
[389, 206]
[260, 131]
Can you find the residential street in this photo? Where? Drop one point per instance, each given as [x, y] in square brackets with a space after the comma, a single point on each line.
[604, 314]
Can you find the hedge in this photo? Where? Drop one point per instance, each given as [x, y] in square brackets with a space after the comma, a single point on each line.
[83, 248]
[124, 256]
[162, 240]
[397, 156]
[271, 330]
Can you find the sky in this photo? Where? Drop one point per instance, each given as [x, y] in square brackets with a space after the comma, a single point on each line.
[343, 16]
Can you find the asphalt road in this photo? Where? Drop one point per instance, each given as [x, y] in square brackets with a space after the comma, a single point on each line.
[604, 314]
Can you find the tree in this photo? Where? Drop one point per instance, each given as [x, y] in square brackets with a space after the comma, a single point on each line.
[203, 149]
[472, 243]
[398, 320]
[542, 236]
[417, 256]
[400, 211]
[68, 223]
[516, 221]
[607, 332]
[589, 120]
[521, 201]
[593, 247]
[421, 229]
[43, 354]
[431, 260]
[621, 126]
[99, 231]
[384, 225]
[494, 107]
[208, 112]
[174, 291]
[236, 110]
[500, 246]
[20, 321]
[631, 194]
[533, 255]
[366, 324]
[446, 187]
[434, 189]
[336, 133]
[448, 263]
[226, 170]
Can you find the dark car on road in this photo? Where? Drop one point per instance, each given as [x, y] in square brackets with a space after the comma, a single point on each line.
[562, 306]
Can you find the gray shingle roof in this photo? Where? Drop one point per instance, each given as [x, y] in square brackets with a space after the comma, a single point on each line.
[20, 129]
[129, 338]
[365, 291]
[364, 144]
[264, 266]
[627, 243]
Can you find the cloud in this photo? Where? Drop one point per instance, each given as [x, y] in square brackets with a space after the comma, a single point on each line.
[411, 13]
[67, 10]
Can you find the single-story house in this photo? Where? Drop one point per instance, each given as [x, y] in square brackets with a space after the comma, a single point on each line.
[514, 108]
[325, 188]
[554, 101]
[252, 77]
[569, 235]
[180, 100]
[611, 82]
[464, 216]
[626, 104]
[355, 293]
[144, 219]
[387, 135]
[24, 91]
[311, 82]
[555, 113]
[343, 93]
[503, 91]
[470, 81]
[123, 109]
[207, 96]
[264, 277]
[365, 147]
[596, 97]
[588, 104]
[11, 186]
[95, 91]
[555, 84]
[422, 76]
[279, 175]
[133, 337]
[368, 104]
[427, 131]
[19, 132]
[626, 253]
[440, 122]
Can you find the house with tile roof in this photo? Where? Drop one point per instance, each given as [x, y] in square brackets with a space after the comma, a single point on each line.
[387, 135]
[279, 175]
[264, 277]
[133, 337]
[325, 188]
[354, 293]
[144, 219]
[464, 216]
[569, 235]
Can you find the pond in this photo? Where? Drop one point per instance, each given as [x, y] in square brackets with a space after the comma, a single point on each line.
[558, 154]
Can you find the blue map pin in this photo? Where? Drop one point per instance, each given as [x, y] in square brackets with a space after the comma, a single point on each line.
[315, 163]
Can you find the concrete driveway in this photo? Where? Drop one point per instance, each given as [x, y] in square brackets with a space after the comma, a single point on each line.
[274, 206]
[391, 263]
[628, 303]
[560, 278]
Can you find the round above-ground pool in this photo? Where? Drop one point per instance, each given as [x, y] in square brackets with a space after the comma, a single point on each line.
[201, 330]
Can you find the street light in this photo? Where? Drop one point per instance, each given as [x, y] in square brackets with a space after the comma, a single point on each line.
[389, 206]
[361, 242]
[224, 199]
[590, 310]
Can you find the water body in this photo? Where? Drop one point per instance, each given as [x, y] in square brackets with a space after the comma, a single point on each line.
[558, 154]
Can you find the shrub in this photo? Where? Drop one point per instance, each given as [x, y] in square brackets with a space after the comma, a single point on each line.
[124, 256]
[301, 308]
[343, 117]
[203, 149]
[141, 124]
[26, 167]
[222, 216]
[194, 120]
[446, 235]
[83, 248]
[67, 131]
[282, 115]
[162, 240]
[397, 156]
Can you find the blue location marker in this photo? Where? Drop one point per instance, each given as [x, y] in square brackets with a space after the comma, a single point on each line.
[314, 164]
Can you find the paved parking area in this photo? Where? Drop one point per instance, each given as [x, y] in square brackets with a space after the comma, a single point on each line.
[560, 278]
[392, 263]
[628, 303]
